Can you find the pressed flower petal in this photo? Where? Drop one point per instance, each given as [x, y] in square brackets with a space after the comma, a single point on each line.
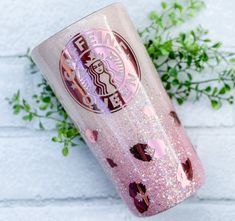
[138, 192]
[111, 162]
[91, 135]
[187, 167]
[174, 115]
[140, 152]
[141, 206]
[133, 190]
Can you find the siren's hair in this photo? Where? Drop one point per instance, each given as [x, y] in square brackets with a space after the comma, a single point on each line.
[101, 87]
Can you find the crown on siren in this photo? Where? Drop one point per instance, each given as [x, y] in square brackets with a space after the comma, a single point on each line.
[93, 58]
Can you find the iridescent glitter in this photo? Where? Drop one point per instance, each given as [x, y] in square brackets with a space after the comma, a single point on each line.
[158, 147]
[148, 110]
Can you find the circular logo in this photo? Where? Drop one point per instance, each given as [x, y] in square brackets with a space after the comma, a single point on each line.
[100, 70]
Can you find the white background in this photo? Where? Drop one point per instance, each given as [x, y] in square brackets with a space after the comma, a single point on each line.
[38, 183]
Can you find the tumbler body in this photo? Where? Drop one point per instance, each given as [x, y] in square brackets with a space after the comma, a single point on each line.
[102, 75]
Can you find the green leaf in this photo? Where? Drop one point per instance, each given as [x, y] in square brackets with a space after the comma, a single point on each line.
[175, 82]
[189, 60]
[163, 51]
[227, 87]
[153, 15]
[215, 104]
[215, 91]
[208, 89]
[65, 151]
[28, 117]
[17, 108]
[207, 40]
[190, 77]
[173, 72]
[231, 99]
[168, 86]
[204, 57]
[217, 45]
[180, 101]
[178, 6]
[49, 113]
[41, 126]
[165, 77]
[164, 5]
[46, 99]
[222, 90]
[232, 60]
[43, 107]
[27, 107]
[56, 139]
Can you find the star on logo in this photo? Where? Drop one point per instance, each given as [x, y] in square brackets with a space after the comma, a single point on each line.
[74, 86]
[69, 63]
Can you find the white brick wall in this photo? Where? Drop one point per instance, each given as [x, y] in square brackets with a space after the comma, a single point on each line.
[37, 183]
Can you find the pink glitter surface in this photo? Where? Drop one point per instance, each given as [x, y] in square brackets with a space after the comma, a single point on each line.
[174, 172]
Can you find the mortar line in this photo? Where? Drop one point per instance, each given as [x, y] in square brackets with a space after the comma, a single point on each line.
[86, 201]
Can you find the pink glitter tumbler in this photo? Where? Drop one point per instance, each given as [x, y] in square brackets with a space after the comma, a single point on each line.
[100, 72]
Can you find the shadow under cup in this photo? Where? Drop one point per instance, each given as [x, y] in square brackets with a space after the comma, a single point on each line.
[101, 73]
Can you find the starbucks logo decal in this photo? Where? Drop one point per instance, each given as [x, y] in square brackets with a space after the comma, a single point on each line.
[100, 70]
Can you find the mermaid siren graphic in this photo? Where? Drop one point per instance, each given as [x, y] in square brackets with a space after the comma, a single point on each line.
[101, 74]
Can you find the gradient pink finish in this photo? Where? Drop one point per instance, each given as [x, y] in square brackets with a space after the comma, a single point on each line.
[142, 145]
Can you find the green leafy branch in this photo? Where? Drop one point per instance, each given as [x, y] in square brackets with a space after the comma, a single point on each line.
[180, 58]
[190, 64]
[48, 108]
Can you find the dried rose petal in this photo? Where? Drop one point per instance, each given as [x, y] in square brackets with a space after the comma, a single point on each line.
[187, 167]
[158, 146]
[133, 190]
[138, 192]
[181, 176]
[91, 135]
[111, 162]
[176, 118]
[140, 152]
[141, 205]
